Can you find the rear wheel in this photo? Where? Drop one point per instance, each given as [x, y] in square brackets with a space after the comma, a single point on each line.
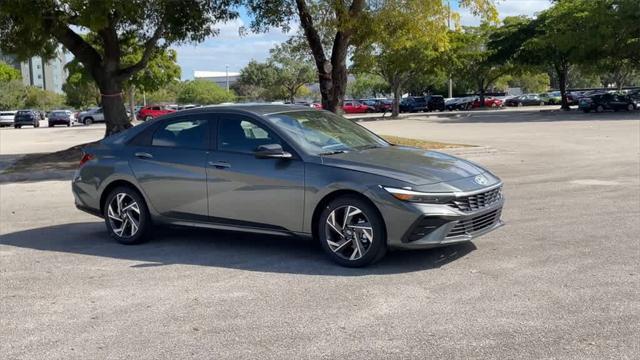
[351, 232]
[600, 108]
[88, 121]
[520, 104]
[148, 117]
[630, 107]
[126, 216]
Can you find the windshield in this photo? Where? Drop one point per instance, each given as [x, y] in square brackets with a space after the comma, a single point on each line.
[324, 133]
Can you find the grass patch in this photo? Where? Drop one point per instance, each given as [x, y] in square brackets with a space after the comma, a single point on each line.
[422, 144]
[67, 159]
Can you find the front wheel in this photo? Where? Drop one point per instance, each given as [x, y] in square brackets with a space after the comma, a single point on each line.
[88, 121]
[630, 107]
[600, 108]
[148, 117]
[126, 216]
[352, 232]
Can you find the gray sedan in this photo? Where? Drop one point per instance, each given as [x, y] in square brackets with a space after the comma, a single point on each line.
[286, 170]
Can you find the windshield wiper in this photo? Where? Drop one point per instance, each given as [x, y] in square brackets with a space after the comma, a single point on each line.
[333, 152]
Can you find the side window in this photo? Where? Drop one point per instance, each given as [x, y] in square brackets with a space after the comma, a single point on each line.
[242, 135]
[183, 133]
[155, 108]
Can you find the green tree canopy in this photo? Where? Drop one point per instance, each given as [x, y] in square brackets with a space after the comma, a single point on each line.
[8, 72]
[203, 92]
[37, 27]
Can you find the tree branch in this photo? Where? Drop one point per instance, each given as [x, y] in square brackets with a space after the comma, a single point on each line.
[81, 49]
[310, 32]
[149, 49]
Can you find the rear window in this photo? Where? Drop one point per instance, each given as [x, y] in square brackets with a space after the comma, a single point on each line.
[6, 113]
[58, 113]
[24, 112]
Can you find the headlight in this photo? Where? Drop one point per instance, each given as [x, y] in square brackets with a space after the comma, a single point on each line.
[419, 197]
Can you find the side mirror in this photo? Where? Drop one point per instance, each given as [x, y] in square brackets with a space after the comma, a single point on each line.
[271, 151]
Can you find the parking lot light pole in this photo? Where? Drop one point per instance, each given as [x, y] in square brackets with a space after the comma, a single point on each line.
[227, 71]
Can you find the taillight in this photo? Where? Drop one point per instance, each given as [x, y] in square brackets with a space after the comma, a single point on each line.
[86, 157]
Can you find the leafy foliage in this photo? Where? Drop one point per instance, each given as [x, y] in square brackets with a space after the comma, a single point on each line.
[203, 92]
[37, 27]
[8, 72]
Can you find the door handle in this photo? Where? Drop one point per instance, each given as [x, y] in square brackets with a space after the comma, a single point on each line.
[143, 155]
[219, 164]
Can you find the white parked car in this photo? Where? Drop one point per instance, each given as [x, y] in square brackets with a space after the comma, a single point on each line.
[6, 117]
[91, 116]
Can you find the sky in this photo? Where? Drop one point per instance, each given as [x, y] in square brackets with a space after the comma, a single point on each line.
[231, 49]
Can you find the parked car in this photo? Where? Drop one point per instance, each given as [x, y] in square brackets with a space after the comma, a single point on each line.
[606, 101]
[489, 101]
[463, 103]
[355, 107]
[413, 104]
[551, 98]
[435, 102]
[26, 118]
[91, 116]
[6, 117]
[525, 100]
[153, 111]
[61, 117]
[225, 167]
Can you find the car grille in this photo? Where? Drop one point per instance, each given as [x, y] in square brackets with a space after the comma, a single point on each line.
[475, 224]
[477, 201]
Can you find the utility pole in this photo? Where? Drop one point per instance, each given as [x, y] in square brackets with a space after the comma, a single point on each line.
[449, 28]
[227, 70]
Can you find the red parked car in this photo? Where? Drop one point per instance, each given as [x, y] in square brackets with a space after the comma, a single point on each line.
[350, 107]
[356, 107]
[489, 101]
[152, 111]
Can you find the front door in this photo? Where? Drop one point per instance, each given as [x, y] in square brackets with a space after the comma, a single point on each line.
[171, 167]
[247, 191]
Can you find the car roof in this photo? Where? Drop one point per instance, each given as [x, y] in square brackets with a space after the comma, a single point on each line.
[257, 109]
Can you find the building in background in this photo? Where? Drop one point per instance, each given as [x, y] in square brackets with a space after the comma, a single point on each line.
[221, 78]
[48, 75]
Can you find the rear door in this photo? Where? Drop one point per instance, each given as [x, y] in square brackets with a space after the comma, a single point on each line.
[247, 191]
[170, 166]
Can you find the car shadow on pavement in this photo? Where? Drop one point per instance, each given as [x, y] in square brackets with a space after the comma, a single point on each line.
[224, 249]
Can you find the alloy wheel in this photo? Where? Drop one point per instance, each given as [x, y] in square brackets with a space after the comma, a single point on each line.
[124, 215]
[349, 233]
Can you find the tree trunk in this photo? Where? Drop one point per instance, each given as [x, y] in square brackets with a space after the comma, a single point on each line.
[115, 114]
[395, 107]
[562, 81]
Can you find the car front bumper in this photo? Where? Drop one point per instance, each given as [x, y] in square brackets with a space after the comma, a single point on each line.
[423, 226]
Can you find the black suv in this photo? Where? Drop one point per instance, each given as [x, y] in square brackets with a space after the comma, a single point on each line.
[435, 102]
[26, 117]
[413, 104]
[607, 101]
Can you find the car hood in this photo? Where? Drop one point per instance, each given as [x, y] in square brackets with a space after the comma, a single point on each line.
[415, 166]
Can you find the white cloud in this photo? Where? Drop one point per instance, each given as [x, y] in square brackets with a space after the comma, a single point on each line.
[229, 47]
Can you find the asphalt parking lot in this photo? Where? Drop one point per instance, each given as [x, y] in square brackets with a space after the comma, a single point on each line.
[560, 281]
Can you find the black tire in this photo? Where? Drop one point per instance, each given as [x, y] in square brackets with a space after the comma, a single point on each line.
[600, 108]
[586, 110]
[377, 247]
[630, 107]
[144, 228]
[148, 118]
[88, 121]
[50, 125]
[36, 124]
[68, 124]
[16, 126]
